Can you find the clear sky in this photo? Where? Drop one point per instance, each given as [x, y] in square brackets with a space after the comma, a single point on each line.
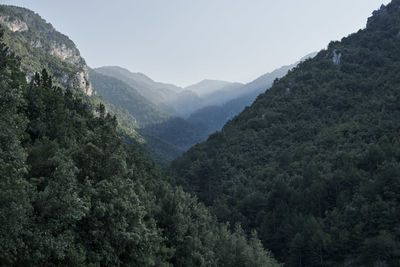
[185, 41]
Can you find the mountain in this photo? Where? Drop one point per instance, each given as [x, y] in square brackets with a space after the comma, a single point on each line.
[153, 91]
[122, 95]
[222, 95]
[175, 131]
[73, 194]
[206, 87]
[172, 99]
[40, 46]
[314, 163]
[169, 98]
[187, 101]
[212, 117]
[166, 135]
[182, 103]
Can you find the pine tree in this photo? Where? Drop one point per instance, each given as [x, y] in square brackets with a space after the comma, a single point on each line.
[14, 190]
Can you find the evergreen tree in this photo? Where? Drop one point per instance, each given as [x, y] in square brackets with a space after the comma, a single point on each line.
[15, 207]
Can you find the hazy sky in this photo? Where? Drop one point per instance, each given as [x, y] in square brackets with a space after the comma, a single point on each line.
[185, 41]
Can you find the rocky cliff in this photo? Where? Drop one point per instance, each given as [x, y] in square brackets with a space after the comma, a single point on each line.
[40, 46]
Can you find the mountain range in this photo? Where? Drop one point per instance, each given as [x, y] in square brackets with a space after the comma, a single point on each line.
[172, 99]
[72, 192]
[213, 117]
[303, 161]
[206, 106]
[167, 118]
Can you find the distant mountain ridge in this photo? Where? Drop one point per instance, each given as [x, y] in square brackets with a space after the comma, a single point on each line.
[122, 95]
[206, 105]
[164, 133]
[146, 109]
[40, 46]
[174, 99]
[212, 117]
[206, 86]
[154, 91]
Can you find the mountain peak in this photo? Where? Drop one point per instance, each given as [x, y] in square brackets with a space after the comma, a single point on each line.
[36, 40]
[123, 71]
[207, 86]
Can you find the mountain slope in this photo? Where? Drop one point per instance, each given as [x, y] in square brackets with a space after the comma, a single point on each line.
[40, 46]
[175, 100]
[213, 117]
[314, 164]
[182, 104]
[72, 194]
[206, 87]
[164, 134]
[122, 95]
[153, 91]
[188, 101]
[223, 94]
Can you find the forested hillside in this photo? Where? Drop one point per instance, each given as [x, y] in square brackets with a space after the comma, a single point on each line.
[166, 136]
[177, 101]
[122, 95]
[314, 164]
[40, 46]
[72, 194]
[213, 117]
[154, 92]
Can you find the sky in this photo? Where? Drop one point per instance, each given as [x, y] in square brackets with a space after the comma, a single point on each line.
[186, 41]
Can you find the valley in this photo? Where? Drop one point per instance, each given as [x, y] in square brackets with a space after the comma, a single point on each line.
[104, 166]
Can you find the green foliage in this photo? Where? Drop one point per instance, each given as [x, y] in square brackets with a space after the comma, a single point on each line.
[42, 47]
[15, 207]
[35, 45]
[313, 164]
[73, 194]
[175, 131]
[166, 137]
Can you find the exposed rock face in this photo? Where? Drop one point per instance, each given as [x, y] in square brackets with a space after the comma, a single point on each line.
[15, 25]
[337, 56]
[71, 55]
[50, 42]
[83, 81]
[36, 44]
[67, 54]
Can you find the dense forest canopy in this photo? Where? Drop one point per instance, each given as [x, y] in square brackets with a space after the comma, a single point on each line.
[314, 164]
[72, 194]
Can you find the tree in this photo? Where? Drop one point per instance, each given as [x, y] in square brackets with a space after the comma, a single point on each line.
[15, 207]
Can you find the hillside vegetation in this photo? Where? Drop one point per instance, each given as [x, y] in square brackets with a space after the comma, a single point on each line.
[125, 97]
[314, 164]
[40, 46]
[72, 194]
